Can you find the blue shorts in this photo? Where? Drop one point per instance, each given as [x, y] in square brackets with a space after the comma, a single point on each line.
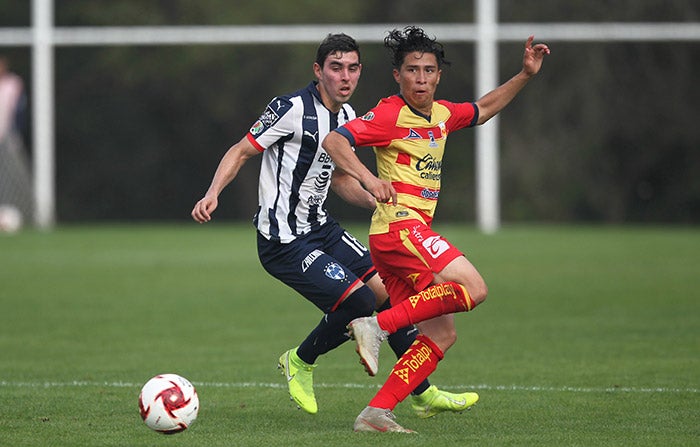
[322, 266]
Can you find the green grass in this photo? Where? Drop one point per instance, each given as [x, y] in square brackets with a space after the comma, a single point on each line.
[590, 337]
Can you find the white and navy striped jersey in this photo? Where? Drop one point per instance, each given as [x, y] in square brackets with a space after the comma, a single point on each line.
[295, 173]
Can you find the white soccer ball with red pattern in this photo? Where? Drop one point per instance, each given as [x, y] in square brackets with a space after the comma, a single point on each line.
[168, 403]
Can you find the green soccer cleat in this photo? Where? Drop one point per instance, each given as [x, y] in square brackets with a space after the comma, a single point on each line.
[300, 380]
[433, 401]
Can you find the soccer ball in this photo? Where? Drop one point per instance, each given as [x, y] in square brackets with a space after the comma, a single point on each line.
[168, 403]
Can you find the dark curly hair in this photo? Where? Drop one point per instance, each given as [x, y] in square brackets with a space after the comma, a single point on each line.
[410, 39]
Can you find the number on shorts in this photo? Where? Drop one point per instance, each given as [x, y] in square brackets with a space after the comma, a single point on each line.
[353, 243]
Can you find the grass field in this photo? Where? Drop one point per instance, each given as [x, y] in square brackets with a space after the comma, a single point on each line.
[590, 337]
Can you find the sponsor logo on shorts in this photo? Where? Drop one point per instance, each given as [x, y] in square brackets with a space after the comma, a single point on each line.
[309, 259]
[416, 233]
[435, 246]
[414, 277]
[334, 271]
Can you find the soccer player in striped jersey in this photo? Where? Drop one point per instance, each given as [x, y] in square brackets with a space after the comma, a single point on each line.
[299, 243]
[428, 279]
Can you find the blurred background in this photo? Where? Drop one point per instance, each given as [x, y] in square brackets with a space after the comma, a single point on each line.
[607, 133]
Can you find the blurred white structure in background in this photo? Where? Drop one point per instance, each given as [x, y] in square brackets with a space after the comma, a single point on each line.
[486, 33]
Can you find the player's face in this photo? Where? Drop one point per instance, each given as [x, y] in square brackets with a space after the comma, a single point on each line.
[338, 78]
[418, 79]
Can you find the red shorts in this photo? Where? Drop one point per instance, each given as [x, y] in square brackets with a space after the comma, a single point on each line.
[408, 256]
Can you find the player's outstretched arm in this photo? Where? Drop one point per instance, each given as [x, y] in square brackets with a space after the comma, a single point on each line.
[227, 170]
[494, 101]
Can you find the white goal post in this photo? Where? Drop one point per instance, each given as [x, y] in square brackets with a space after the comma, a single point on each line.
[486, 33]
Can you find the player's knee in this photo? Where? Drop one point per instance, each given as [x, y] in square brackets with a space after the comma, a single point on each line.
[478, 292]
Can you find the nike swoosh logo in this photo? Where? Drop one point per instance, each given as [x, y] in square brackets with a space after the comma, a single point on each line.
[380, 429]
[286, 371]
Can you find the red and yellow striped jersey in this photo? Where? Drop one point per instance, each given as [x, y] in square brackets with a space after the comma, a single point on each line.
[409, 148]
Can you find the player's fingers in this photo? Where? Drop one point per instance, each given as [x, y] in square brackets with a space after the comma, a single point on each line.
[200, 213]
[528, 44]
[541, 48]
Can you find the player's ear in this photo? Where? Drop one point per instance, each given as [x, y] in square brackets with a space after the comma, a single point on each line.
[318, 70]
[396, 76]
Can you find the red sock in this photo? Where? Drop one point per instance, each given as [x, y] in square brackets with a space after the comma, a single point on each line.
[436, 300]
[414, 366]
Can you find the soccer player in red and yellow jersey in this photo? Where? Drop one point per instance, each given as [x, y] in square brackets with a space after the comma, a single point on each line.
[428, 279]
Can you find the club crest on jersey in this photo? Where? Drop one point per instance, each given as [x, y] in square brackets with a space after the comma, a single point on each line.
[432, 143]
[334, 271]
[369, 116]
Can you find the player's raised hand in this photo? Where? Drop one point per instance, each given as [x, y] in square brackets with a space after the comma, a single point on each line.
[534, 54]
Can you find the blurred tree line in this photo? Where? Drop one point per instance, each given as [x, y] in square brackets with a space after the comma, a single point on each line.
[608, 132]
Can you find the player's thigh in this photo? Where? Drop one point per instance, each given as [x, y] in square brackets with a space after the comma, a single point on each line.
[313, 273]
[462, 271]
[350, 252]
[441, 330]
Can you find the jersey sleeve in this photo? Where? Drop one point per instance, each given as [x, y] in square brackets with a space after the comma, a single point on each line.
[464, 114]
[275, 123]
[371, 128]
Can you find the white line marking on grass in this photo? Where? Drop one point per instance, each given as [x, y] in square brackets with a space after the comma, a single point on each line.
[551, 389]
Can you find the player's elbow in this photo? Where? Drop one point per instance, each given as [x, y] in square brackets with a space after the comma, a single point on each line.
[333, 142]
